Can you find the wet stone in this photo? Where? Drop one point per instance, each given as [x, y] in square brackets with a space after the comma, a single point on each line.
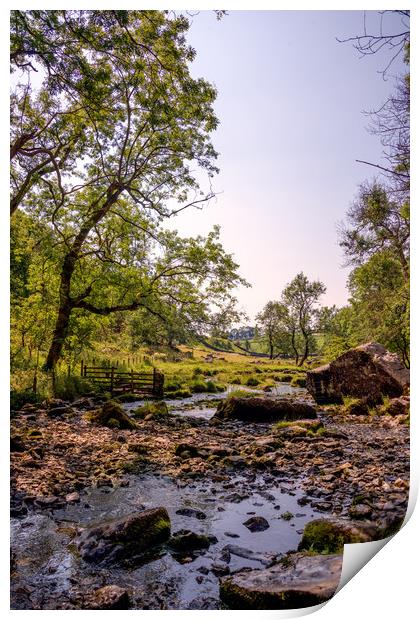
[257, 524]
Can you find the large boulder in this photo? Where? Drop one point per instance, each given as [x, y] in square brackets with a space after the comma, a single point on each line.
[125, 537]
[299, 581]
[368, 372]
[257, 409]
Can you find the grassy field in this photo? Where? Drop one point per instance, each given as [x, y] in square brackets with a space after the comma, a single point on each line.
[190, 370]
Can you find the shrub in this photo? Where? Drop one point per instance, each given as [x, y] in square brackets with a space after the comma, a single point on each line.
[252, 381]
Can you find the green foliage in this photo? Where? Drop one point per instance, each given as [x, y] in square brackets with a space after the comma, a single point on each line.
[20, 398]
[252, 381]
[70, 387]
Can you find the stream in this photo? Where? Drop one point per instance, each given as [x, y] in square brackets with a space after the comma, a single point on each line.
[48, 573]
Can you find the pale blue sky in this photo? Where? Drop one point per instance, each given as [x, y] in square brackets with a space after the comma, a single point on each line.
[290, 102]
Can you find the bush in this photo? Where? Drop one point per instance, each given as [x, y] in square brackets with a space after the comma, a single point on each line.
[198, 386]
[20, 398]
[69, 388]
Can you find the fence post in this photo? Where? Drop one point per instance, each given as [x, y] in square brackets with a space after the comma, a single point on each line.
[112, 380]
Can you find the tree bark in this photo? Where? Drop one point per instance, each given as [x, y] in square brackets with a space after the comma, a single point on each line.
[60, 334]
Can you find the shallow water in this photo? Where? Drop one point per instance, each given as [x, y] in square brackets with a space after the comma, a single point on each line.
[203, 405]
[46, 567]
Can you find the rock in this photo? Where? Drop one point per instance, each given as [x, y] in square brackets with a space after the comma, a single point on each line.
[219, 569]
[57, 412]
[257, 409]
[397, 406]
[360, 511]
[190, 450]
[256, 524]
[185, 541]
[108, 597]
[112, 413]
[368, 371]
[138, 447]
[191, 512]
[125, 537]
[330, 535]
[73, 498]
[358, 406]
[301, 581]
[231, 535]
[265, 558]
[16, 444]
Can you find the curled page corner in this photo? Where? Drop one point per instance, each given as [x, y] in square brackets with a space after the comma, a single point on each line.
[357, 555]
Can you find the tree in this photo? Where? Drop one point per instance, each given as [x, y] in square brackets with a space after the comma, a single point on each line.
[271, 322]
[301, 298]
[150, 126]
[387, 34]
[376, 223]
[336, 327]
[380, 303]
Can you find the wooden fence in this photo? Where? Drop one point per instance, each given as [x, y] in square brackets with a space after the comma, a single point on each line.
[118, 382]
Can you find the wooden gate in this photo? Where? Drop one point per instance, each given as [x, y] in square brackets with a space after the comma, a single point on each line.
[118, 382]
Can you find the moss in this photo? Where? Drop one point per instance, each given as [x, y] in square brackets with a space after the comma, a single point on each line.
[298, 381]
[287, 516]
[355, 406]
[157, 409]
[113, 423]
[34, 433]
[136, 465]
[329, 537]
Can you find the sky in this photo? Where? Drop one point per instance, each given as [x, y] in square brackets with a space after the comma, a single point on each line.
[290, 105]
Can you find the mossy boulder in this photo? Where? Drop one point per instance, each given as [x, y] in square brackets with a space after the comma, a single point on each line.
[330, 536]
[112, 415]
[302, 581]
[158, 409]
[263, 409]
[125, 537]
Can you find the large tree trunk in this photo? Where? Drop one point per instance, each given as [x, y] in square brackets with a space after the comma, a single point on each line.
[60, 334]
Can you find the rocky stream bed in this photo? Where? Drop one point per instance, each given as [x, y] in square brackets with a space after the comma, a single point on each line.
[238, 495]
